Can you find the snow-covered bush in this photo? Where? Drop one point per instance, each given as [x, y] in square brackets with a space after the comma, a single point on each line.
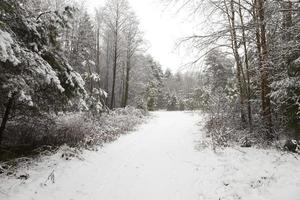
[80, 129]
[218, 98]
[182, 105]
[173, 103]
[85, 130]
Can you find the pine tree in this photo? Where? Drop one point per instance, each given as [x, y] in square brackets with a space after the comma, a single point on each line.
[34, 75]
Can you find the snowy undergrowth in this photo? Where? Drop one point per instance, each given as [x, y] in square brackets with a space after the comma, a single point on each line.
[224, 132]
[261, 171]
[85, 130]
[71, 134]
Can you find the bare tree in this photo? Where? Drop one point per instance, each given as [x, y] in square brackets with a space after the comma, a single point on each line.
[231, 13]
[133, 41]
[261, 34]
[246, 59]
[116, 16]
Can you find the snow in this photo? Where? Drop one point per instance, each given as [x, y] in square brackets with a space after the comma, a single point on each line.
[165, 159]
[95, 77]
[104, 93]
[40, 68]
[92, 62]
[25, 98]
[34, 46]
[7, 48]
[101, 92]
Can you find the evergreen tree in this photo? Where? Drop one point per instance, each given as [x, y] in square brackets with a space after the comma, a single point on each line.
[34, 75]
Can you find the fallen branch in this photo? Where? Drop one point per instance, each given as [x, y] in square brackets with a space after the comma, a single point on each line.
[51, 178]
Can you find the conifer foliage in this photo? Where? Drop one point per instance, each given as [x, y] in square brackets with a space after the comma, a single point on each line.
[35, 76]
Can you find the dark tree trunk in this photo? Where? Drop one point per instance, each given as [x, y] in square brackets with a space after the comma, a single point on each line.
[91, 79]
[6, 116]
[107, 70]
[231, 19]
[287, 19]
[115, 58]
[98, 52]
[127, 83]
[265, 88]
[249, 107]
[112, 101]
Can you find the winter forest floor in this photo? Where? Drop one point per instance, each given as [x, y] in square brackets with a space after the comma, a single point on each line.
[165, 159]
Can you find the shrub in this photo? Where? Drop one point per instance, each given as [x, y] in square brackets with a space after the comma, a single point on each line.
[172, 104]
[81, 130]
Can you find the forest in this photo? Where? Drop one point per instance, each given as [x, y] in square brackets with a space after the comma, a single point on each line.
[58, 59]
[74, 80]
[251, 75]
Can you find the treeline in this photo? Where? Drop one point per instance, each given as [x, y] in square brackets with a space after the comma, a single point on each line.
[252, 72]
[57, 58]
[176, 92]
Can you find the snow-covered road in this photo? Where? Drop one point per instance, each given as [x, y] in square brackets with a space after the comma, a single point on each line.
[162, 161]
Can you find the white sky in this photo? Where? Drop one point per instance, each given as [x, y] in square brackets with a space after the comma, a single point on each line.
[162, 29]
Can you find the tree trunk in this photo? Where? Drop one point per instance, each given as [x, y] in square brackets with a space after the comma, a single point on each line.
[128, 67]
[115, 60]
[107, 65]
[98, 53]
[6, 116]
[287, 23]
[91, 79]
[287, 19]
[102, 99]
[249, 107]
[231, 20]
[265, 88]
[122, 87]
[106, 87]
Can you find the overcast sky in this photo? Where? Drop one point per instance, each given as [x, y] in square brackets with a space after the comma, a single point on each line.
[161, 27]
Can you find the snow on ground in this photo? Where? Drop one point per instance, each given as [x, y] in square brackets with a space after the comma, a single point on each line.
[162, 160]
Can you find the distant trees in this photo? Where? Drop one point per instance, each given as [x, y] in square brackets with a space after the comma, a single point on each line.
[150, 83]
[177, 91]
[219, 70]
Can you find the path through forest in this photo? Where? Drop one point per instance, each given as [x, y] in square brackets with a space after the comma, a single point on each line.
[162, 160]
